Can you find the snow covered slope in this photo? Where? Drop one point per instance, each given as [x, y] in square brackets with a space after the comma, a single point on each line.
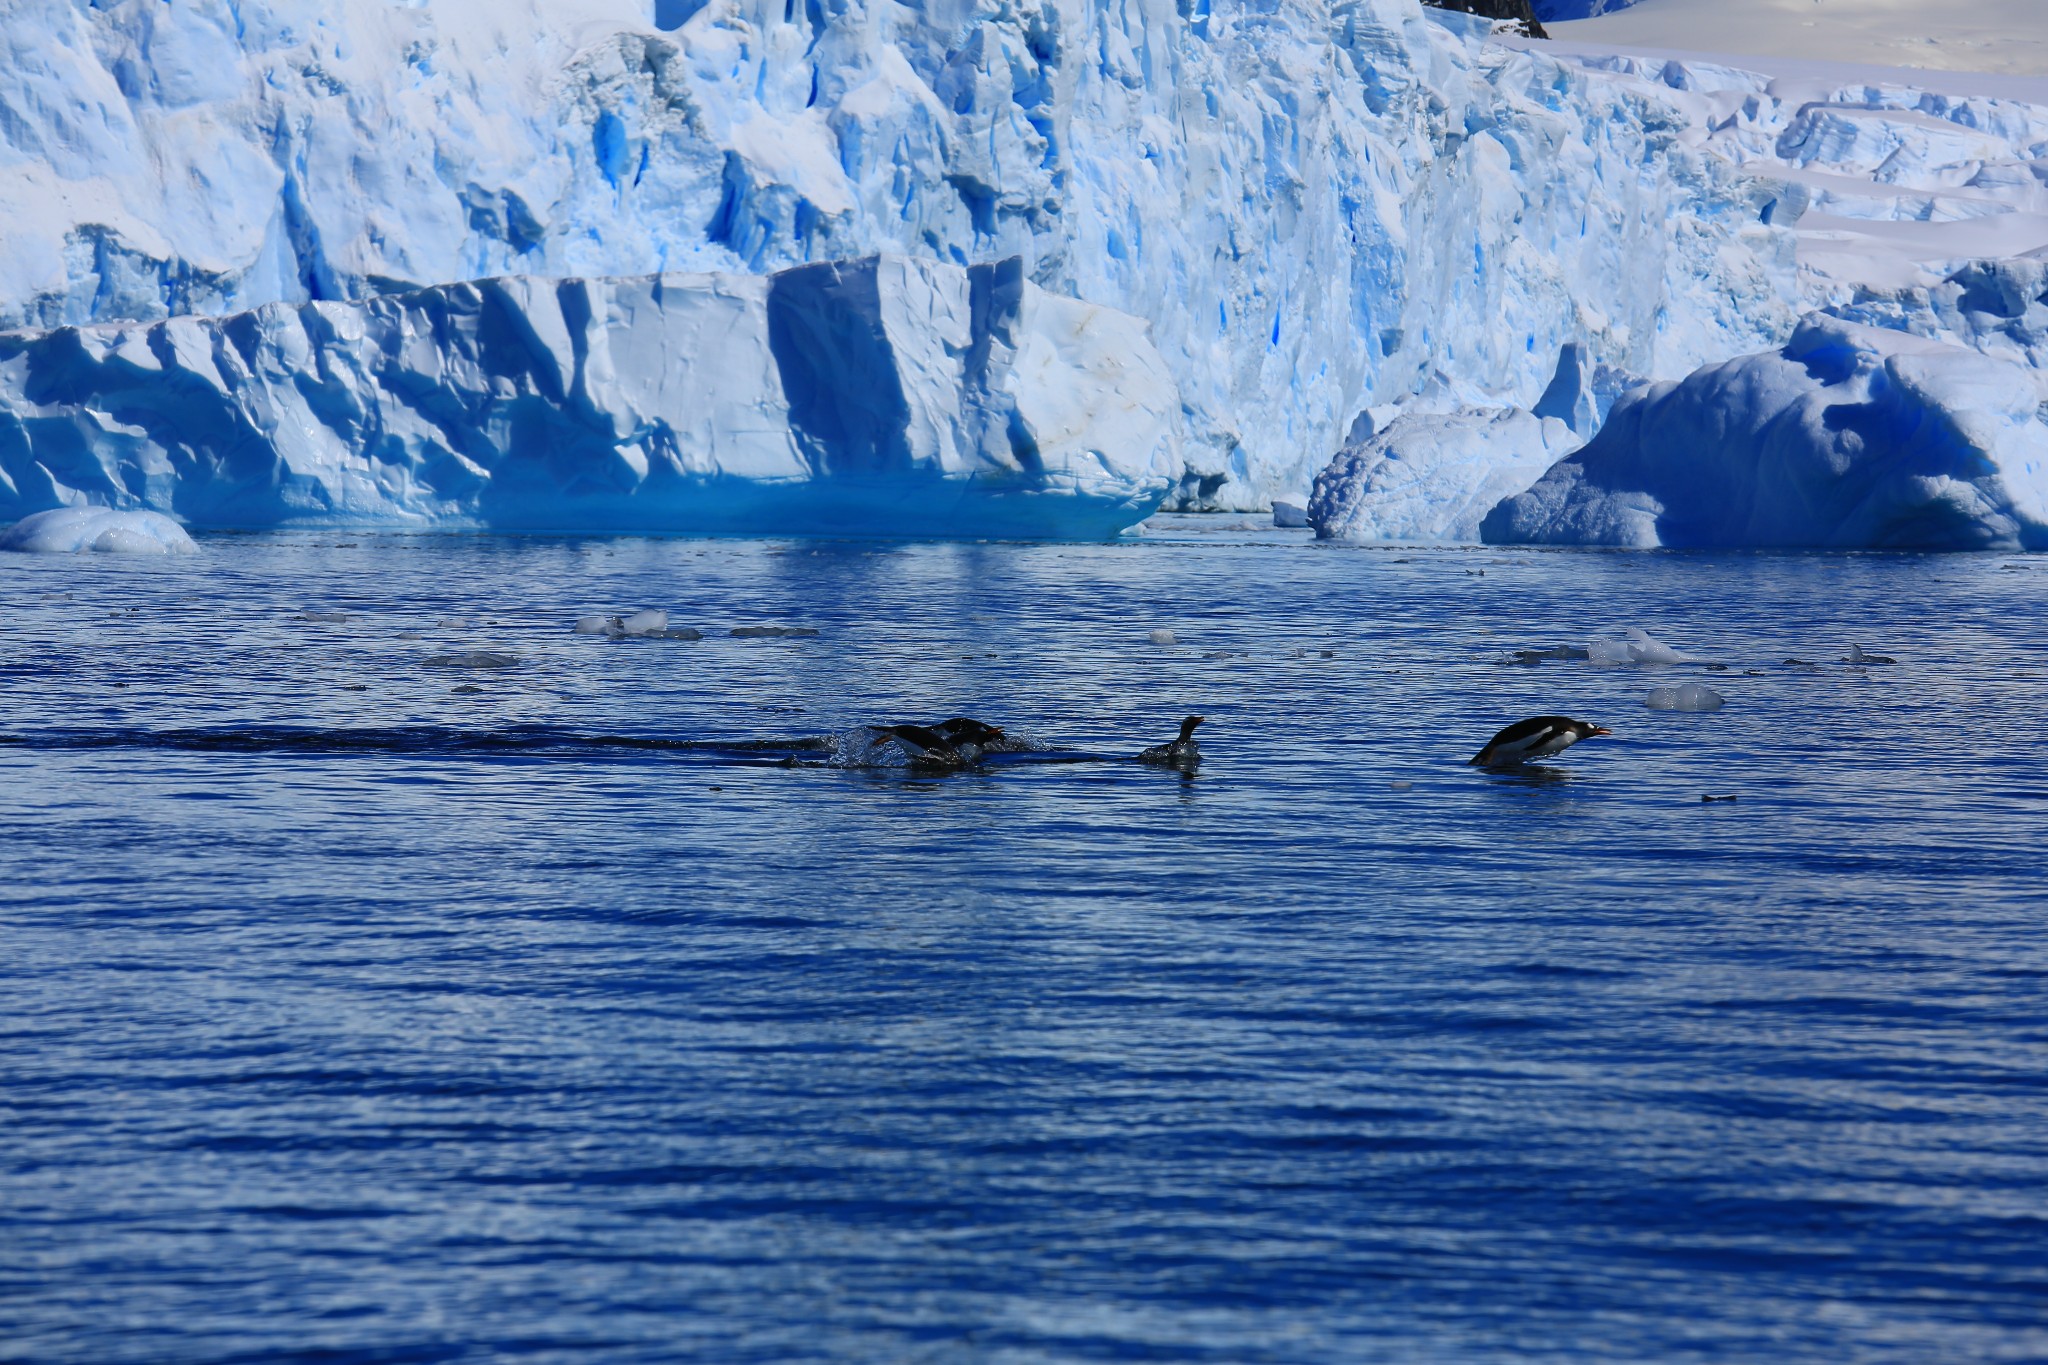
[1319, 206]
[886, 394]
[2009, 36]
[1896, 179]
[1849, 436]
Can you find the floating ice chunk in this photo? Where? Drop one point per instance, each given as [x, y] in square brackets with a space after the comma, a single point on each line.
[771, 632]
[600, 625]
[71, 530]
[1639, 647]
[1163, 637]
[1434, 476]
[650, 622]
[680, 633]
[326, 618]
[1685, 697]
[1857, 656]
[1846, 436]
[1645, 649]
[475, 658]
[1289, 517]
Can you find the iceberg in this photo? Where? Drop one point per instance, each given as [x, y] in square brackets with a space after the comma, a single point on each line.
[72, 530]
[1434, 476]
[885, 395]
[1847, 437]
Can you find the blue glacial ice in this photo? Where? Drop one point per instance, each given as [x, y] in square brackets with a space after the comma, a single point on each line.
[1848, 436]
[1434, 476]
[886, 393]
[1317, 208]
[74, 530]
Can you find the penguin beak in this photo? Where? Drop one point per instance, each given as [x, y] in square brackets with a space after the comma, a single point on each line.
[1600, 730]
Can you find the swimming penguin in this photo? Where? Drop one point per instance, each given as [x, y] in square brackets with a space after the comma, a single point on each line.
[1536, 737]
[1179, 753]
[925, 745]
[963, 732]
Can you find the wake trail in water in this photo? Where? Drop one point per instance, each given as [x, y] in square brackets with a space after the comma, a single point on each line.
[523, 741]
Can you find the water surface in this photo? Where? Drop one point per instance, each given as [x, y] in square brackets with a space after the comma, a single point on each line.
[358, 1006]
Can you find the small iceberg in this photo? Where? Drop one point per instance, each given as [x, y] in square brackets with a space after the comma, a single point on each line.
[1636, 647]
[1685, 697]
[73, 530]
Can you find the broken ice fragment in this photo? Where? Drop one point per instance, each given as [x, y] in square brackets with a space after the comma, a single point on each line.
[1163, 637]
[650, 622]
[1685, 697]
[1647, 650]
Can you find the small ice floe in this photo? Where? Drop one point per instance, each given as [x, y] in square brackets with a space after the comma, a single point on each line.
[1636, 647]
[73, 530]
[1685, 697]
[651, 624]
[474, 658]
[1289, 517]
[1857, 656]
[772, 632]
[1163, 636]
[325, 618]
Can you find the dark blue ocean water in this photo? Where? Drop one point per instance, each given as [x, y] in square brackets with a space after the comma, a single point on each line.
[349, 1015]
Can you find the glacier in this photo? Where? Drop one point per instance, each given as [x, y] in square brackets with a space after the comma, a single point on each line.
[1846, 437]
[1317, 208]
[840, 397]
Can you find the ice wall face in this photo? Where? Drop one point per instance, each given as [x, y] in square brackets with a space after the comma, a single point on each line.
[881, 395]
[1847, 437]
[1319, 206]
[1434, 476]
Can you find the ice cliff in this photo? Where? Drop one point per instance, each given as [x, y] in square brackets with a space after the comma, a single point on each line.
[885, 393]
[1318, 206]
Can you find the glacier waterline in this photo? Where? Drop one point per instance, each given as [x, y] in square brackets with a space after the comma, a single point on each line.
[441, 1055]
